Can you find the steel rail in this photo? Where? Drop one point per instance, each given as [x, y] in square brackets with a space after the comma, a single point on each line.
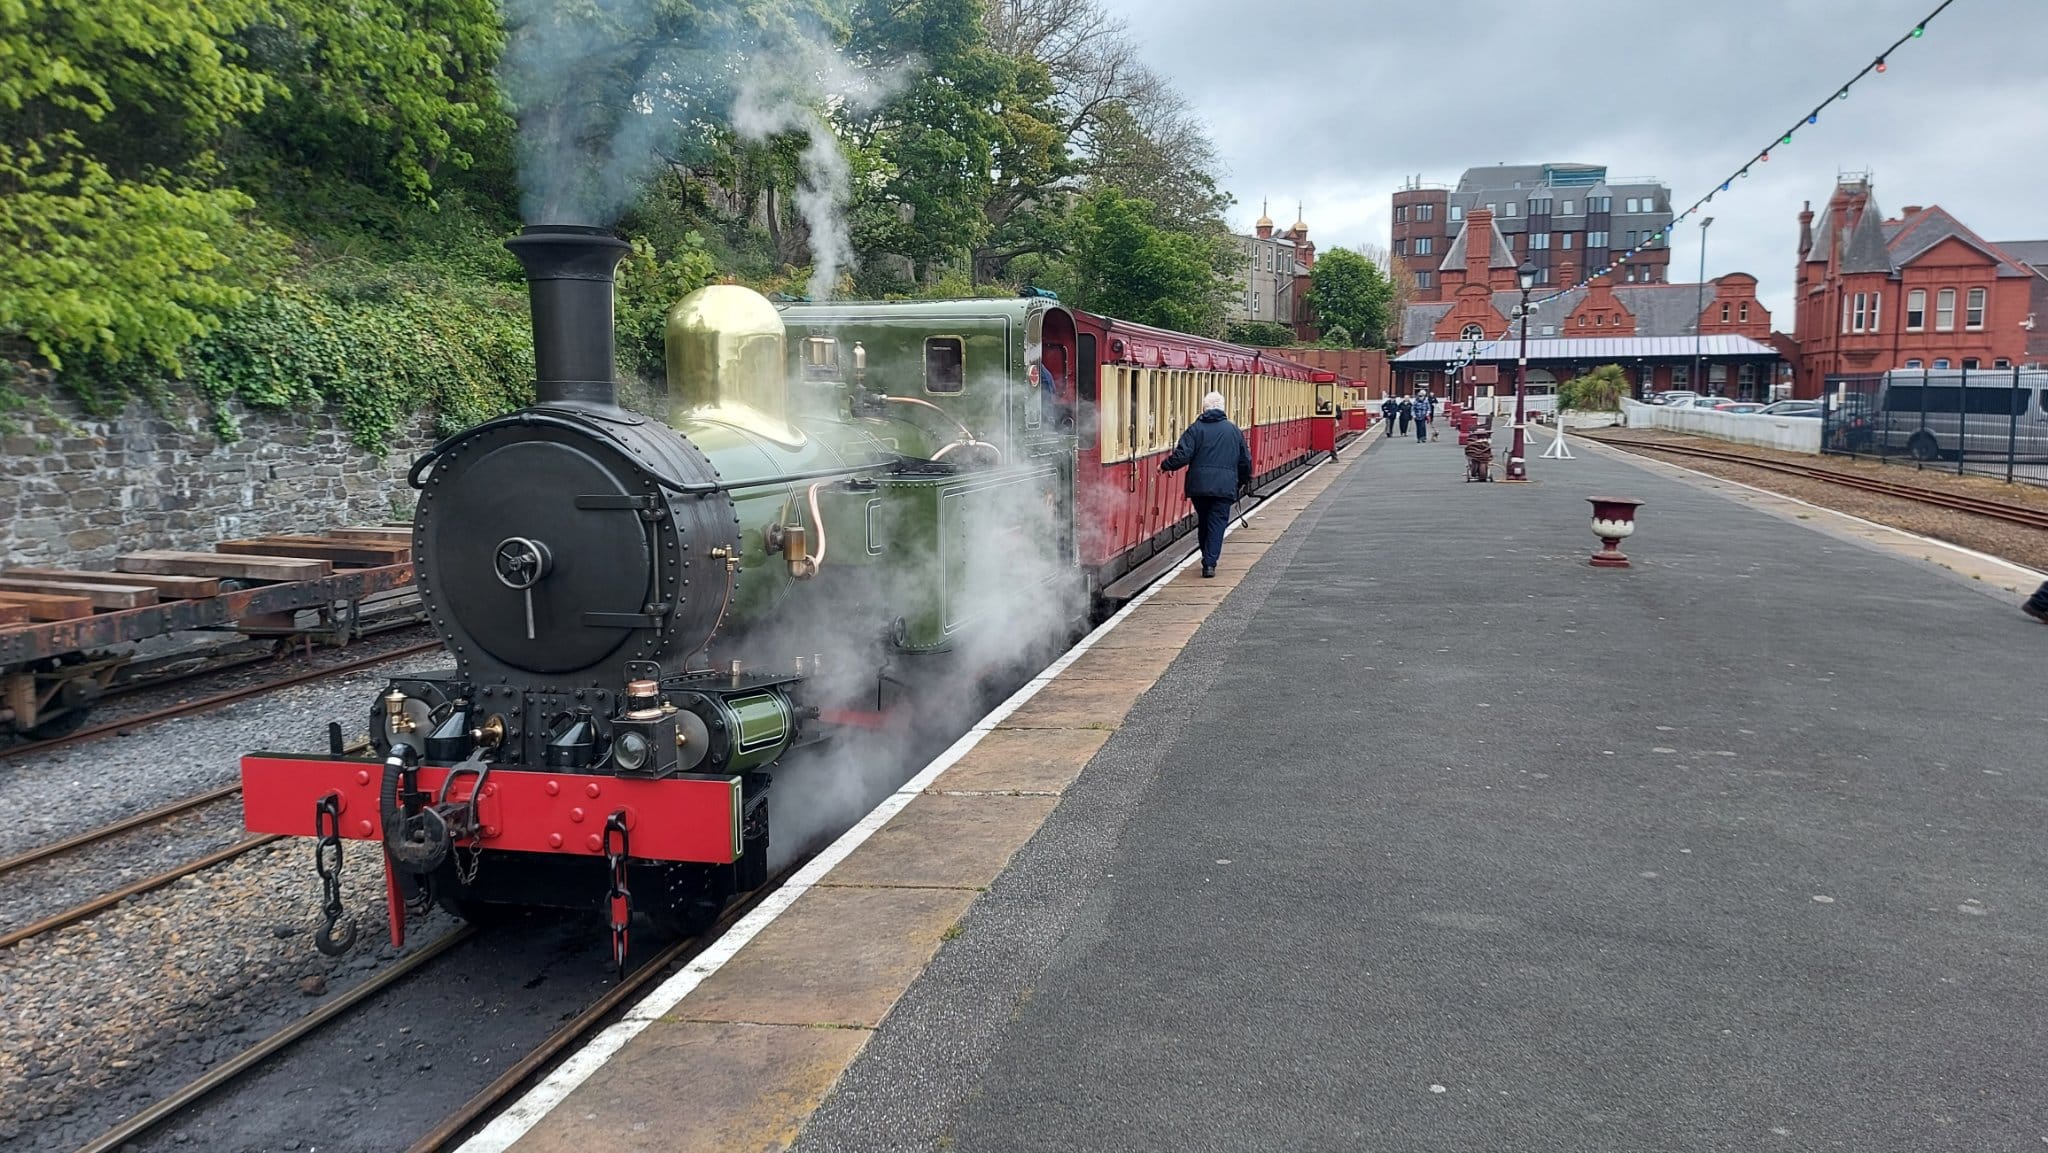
[263, 1050]
[1979, 506]
[185, 708]
[91, 836]
[491, 1096]
[109, 900]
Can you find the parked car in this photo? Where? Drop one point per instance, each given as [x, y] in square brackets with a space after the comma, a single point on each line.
[1738, 406]
[1677, 396]
[1706, 402]
[1806, 408]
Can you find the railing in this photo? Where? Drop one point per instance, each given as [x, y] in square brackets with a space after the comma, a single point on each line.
[1985, 422]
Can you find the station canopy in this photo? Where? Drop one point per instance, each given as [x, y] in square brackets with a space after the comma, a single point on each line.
[1590, 348]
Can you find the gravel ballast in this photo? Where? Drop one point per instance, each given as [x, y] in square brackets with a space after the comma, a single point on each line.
[2016, 543]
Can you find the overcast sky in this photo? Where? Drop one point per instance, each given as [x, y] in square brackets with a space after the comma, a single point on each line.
[1334, 102]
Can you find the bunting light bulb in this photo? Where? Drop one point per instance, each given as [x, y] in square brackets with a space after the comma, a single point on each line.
[1880, 64]
[1813, 119]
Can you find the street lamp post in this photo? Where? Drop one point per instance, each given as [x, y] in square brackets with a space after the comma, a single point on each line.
[1518, 466]
[1699, 310]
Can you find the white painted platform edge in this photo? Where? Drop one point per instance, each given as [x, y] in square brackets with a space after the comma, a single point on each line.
[522, 1115]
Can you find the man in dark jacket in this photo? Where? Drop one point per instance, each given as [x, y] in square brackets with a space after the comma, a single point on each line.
[1388, 409]
[1219, 465]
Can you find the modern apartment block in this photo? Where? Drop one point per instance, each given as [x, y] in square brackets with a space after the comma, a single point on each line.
[1549, 214]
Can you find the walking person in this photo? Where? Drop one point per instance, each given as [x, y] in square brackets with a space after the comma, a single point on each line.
[1425, 407]
[1407, 413]
[1389, 407]
[1219, 465]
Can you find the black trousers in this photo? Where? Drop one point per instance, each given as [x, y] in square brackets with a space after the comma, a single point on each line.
[1212, 516]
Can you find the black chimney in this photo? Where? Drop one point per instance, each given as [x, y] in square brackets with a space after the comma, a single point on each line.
[569, 279]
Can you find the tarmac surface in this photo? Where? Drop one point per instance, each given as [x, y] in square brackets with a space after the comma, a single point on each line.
[1433, 837]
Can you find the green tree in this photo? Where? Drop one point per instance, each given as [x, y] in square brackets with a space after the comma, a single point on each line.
[1600, 390]
[1259, 333]
[118, 240]
[1127, 267]
[379, 92]
[1350, 292]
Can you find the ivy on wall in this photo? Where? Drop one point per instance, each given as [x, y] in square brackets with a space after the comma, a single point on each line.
[377, 353]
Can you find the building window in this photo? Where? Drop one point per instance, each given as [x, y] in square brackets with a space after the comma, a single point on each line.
[1422, 245]
[1596, 240]
[1681, 375]
[1566, 242]
[1457, 212]
[1508, 209]
[1567, 208]
[1600, 320]
[1631, 238]
[1600, 204]
[1876, 302]
[1913, 363]
[1401, 247]
[1630, 206]
[1400, 214]
[1472, 332]
[1490, 208]
[1940, 363]
[1970, 362]
[2001, 362]
[1916, 310]
[1425, 212]
[1539, 206]
[1582, 322]
[1742, 313]
[1973, 315]
[1861, 315]
[1746, 377]
[1422, 279]
[1539, 240]
[1945, 310]
[1724, 314]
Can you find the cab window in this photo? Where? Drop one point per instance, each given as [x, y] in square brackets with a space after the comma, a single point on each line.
[945, 364]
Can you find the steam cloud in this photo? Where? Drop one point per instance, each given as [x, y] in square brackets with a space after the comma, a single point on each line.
[604, 90]
[794, 99]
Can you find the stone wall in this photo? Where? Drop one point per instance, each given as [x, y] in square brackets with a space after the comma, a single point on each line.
[75, 491]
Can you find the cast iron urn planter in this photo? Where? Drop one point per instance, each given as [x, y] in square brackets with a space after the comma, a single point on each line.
[1612, 520]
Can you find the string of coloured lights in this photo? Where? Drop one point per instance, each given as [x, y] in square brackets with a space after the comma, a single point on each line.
[1876, 66]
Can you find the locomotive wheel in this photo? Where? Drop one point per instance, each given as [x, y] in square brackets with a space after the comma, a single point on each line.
[62, 725]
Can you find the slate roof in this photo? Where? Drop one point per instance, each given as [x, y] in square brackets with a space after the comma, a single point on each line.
[1878, 245]
[2029, 252]
[1591, 348]
[1660, 309]
[1502, 256]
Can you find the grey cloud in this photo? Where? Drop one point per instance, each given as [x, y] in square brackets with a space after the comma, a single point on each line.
[1334, 102]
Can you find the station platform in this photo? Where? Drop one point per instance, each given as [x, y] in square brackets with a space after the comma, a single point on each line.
[1413, 831]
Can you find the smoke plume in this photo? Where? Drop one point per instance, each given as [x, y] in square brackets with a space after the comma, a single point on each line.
[606, 90]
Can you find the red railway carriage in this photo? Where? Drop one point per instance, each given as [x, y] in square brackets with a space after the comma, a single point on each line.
[1141, 386]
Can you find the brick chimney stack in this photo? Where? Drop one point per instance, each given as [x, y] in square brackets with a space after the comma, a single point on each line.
[1478, 246]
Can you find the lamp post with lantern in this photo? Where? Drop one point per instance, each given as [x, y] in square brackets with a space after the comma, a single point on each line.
[1518, 466]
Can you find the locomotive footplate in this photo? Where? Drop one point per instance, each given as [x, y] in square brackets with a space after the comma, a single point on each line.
[686, 818]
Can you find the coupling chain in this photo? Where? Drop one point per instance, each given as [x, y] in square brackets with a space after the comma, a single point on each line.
[618, 899]
[327, 862]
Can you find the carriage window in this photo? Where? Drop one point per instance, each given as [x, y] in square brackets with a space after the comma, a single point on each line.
[945, 364]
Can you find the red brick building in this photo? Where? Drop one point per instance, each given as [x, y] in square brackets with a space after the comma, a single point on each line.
[1917, 291]
[1548, 214]
[1668, 328]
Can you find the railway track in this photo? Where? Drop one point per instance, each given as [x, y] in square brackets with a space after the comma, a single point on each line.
[202, 704]
[114, 829]
[480, 1106]
[1979, 506]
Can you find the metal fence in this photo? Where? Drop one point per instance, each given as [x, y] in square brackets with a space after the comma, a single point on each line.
[1988, 422]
